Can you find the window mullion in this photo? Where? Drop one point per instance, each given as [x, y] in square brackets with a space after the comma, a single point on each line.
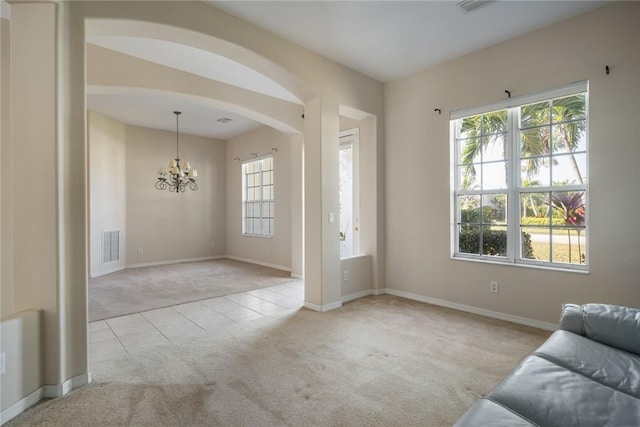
[513, 164]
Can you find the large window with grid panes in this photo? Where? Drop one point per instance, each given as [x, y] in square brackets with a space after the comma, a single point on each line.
[520, 180]
[258, 198]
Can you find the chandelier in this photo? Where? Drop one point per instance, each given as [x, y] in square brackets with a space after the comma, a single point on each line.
[179, 176]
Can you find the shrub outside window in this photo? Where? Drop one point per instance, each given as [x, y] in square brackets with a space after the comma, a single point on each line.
[520, 180]
[258, 213]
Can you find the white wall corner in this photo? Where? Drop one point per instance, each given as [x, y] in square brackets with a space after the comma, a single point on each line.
[356, 295]
[176, 261]
[323, 308]
[265, 264]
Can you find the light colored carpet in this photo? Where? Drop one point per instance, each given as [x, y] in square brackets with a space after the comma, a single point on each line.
[146, 288]
[377, 361]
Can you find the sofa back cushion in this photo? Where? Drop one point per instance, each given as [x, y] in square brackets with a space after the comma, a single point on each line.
[613, 325]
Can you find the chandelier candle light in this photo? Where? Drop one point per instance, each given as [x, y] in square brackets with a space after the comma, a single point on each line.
[179, 176]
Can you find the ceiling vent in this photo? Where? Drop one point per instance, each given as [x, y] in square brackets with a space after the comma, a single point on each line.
[469, 5]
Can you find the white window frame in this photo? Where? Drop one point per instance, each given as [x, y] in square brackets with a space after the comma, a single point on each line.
[514, 189]
[351, 138]
[260, 232]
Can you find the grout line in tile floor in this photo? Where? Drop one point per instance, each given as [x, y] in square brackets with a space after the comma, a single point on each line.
[261, 302]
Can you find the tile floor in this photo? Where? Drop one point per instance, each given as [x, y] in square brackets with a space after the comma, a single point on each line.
[140, 331]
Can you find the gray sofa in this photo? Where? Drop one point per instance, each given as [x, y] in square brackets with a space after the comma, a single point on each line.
[586, 374]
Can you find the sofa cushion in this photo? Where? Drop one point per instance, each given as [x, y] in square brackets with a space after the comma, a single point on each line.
[613, 325]
[550, 395]
[607, 365]
[486, 413]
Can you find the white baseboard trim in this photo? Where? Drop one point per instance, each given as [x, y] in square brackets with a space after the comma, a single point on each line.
[176, 261]
[21, 405]
[108, 270]
[474, 310]
[46, 391]
[58, 390]
[322, 308]
[297, 276]
[357, 295]
[265, 264]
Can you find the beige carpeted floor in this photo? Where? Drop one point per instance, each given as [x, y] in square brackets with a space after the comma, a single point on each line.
[377, 361]
[146, 288]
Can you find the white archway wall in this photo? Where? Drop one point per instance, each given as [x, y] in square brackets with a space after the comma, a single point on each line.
[110, 72]
[62, 271]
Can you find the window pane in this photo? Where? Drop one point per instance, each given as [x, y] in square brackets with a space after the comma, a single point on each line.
[494, 122]
[494, 209]
[469, 150]
[494, 241]
[568, 206]
[266, 178]
[534, 209]
[533, 115]
[469, 209]
[535, 244]
[568, 246]
[494, 176]
[469, 177]
[268, 163]
[266, 209]
[569, 169]
[494, 148]
[535, 172]
[569, 108]
[266, 193]
[469, 239]
[470, 126]
[535, 142]
[266, 230]
[569, 137]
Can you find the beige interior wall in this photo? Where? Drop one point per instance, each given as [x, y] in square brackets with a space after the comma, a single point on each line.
[20, 336]
[35, 200]
[417, 166]
[48, 49]
[347, 123]
[167, 226]
[308, 75]
[107, 189]
[355, 276]
[6, 173]
[274, 251]
[297, 205]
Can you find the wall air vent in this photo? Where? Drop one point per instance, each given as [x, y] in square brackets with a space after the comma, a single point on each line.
[110, 246]
[469, 5]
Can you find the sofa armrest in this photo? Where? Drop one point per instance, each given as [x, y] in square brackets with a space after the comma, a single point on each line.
[613, 325]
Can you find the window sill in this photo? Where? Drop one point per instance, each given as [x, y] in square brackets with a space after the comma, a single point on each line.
[522, 264]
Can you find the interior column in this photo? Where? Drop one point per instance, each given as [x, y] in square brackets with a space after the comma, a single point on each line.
[33, 125]
[322, 216]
